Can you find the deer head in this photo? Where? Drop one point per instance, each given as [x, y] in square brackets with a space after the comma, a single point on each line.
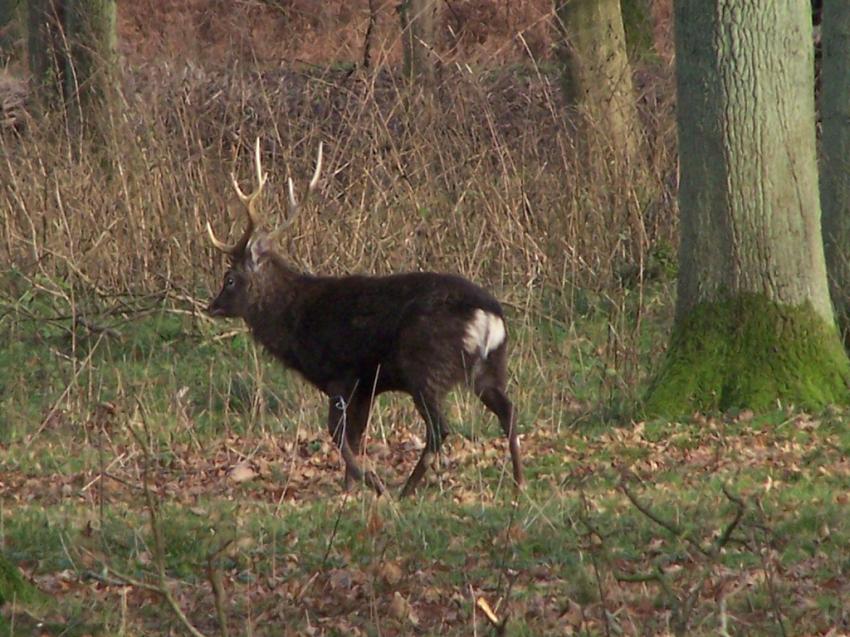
[251, 251]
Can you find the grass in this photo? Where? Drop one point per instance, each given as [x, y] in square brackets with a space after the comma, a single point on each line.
[300, 553]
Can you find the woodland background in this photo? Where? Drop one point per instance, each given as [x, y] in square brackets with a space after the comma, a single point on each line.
[160, 475]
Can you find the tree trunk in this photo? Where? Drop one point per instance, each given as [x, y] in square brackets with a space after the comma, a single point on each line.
[597, 77]
[12, 28]
[418, 22]
[638, 30]
[90, 78]
[753, 318]
[45, 51]
[73, 56]
[835, 155]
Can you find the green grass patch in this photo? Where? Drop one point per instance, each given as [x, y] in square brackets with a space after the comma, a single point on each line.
[288, 544]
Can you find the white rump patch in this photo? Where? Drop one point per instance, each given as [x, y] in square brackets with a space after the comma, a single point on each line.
[484, 333]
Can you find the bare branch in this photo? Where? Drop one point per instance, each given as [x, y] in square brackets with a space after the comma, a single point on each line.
[215, 579]
[152, 507]
[672, 528]
[723, 540]
[162, 590]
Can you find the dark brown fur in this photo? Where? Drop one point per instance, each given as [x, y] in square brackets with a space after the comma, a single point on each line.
[356, 337]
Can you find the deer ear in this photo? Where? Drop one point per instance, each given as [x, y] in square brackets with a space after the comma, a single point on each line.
[259, 248]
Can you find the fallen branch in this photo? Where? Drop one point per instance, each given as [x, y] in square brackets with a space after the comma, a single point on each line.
[499, 626]
[684, 604]
[367, 39]
[161, 587]
[162, 590]
[217, 585]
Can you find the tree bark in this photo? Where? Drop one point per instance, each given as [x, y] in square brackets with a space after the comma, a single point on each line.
[753, 320]
[91, 69]
[418, 23]
[835, 156]
[45, 51]
[638, 29]
[597, 77]
[73, 56]
[12, 28]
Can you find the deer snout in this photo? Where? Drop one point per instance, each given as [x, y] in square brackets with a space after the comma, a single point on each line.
[216, 308]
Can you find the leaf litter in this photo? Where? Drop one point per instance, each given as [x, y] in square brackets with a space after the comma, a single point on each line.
[548, 565]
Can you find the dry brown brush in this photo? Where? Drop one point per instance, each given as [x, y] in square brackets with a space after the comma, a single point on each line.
[490, 179]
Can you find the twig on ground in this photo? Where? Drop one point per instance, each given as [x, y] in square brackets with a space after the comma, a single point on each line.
[499, 626]
[769, 582]
[684, 606]
[217, 584]
[367, 39]
[603, 598]
[151, 505]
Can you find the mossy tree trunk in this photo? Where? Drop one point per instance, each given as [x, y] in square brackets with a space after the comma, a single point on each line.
[91, 75]
[45, 51]
[637, 27]
[597, 77]
[753, 318]
[835, 155]
[73, 56]
[12, 28]
[418, 30]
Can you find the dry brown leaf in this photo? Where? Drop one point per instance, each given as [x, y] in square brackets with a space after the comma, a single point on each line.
[375, 523]
[391, 573]
[746, 416]
[241, 472]
[400, 608]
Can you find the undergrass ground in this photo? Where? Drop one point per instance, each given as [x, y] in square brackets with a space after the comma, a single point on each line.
[148, 411]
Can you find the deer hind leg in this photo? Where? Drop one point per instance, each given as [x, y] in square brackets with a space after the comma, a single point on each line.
[436, 430]
[497, 401]
[489, 386]
[346, 422]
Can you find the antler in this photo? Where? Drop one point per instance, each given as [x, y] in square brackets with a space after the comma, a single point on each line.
[293, 206]
[249, 201]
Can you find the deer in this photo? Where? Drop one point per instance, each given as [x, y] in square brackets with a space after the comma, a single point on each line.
[355, 337]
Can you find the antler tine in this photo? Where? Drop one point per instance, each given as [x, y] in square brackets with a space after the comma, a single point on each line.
[262, 177]
[249, 201]
[293, 203]
[294, 208]
[219, 245]
[316, 173]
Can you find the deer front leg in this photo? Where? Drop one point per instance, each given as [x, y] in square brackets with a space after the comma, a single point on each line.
[436, 430]
[346, 422]
[357, 418]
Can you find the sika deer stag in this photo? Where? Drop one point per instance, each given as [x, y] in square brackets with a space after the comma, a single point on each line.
[355, 337]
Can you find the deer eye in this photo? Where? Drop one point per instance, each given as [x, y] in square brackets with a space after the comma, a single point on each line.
[229, 281]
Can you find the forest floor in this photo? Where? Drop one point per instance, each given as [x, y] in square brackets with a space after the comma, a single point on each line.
[152, 451]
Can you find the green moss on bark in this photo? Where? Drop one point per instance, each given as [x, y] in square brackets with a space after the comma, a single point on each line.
[749, 352]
